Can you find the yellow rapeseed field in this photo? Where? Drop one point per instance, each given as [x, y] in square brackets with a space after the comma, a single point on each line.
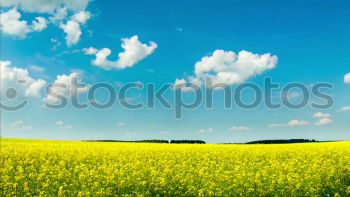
[67, 168]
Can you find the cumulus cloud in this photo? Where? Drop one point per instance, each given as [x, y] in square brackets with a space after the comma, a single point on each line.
[322, 115]
[292, 123]
[347, 78]
[73, 32]
[72, 27]
[34, 88]
[13, 77]
[344, 109]
[67, 81]
[81, 17]
[230, 68]
[43, 6]
[134, 51]
[11, 24]
[240, 128]
[323, 121]
[59, 15]
[58, 12]
[39, 24]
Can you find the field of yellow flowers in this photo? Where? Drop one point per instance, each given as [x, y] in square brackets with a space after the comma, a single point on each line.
[68, 168]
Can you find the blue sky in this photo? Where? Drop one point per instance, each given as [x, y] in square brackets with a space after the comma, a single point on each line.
[310, 39]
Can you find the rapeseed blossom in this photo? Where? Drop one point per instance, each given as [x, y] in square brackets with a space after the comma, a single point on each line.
[68, 168]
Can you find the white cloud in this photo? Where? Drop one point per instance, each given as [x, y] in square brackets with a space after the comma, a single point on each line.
[276, 125]
[73, 32]
[230, 68]
[292, 123]
[62, 125]
[11, 24]
[344, 109]
[59, 123]
[59, 15]
[324, 121]
[347, 78]
[19, 124]
[90, 51]
[181, 84]
[81, 17]
[120, 124]
[240, 128]
[39, 24]
[134, 51]
[67, 81]
[46, 6]
[56, 43]
[209, 130]
[324, 118]
[72, 27]
[34, 88]
[322, 115]
[36, 68]
[58, 11]
[11, 76]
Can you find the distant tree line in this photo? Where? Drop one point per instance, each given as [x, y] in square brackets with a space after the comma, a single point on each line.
[153, 141]
[290, 141]
[187, 142]
[135, 141]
